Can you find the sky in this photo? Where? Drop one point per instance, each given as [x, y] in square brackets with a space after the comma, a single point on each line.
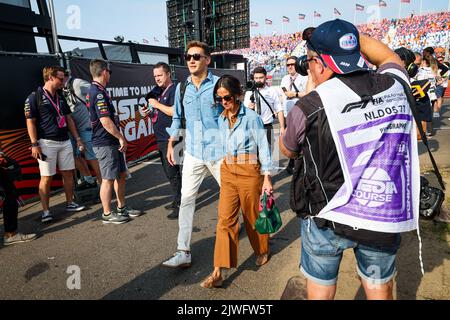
[137, 20]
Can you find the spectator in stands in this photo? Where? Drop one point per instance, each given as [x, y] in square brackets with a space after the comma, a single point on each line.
[48, 122]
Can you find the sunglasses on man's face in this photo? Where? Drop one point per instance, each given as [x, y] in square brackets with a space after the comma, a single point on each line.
[227, 98]
[196, 56]
[290, 65]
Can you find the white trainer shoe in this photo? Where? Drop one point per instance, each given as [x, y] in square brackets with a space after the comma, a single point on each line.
[180, 259]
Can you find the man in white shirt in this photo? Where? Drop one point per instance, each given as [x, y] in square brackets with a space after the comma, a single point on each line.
[266, 102]
[293, 85]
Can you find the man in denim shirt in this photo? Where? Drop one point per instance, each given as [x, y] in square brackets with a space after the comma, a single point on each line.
[204, 149]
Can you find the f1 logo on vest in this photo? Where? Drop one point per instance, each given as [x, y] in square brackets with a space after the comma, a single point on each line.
[361, 105]
[375, 188]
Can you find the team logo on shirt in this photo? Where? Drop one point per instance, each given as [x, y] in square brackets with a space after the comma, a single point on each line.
[27, 109]
[100, 96]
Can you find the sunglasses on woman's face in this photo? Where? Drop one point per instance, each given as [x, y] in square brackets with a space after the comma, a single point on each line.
[227, 98]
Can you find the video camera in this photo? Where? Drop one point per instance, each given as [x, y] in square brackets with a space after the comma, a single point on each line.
[252, 85]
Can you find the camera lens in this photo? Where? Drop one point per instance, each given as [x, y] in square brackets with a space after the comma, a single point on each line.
[302, 66]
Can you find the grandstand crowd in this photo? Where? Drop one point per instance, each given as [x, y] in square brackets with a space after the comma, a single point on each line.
[414, 32]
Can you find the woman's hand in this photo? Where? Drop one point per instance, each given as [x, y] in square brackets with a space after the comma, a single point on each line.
[267, 185]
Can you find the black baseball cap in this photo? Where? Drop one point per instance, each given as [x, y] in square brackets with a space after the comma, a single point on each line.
[337, 42]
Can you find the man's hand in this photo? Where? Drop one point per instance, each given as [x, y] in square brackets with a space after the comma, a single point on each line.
[154, 103]
[81, 146]
[252, 105]
[36, 152]
[282, 132]
[123, 145]
[145, 109]
[291, 94]
[171, 154]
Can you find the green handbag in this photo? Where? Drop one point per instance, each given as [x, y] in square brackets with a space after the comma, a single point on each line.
[269, 220]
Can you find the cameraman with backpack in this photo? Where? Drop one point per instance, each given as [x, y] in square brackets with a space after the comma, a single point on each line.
[358, 184]
[10, 206]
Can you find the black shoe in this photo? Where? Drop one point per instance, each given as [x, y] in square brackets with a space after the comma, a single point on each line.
[174, 214]
[171, 206]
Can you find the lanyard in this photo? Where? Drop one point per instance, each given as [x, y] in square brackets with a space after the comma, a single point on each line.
[55, 105]
[102, 88]
[165, 92]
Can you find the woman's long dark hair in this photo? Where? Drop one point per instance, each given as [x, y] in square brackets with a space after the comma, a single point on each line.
[231, 84]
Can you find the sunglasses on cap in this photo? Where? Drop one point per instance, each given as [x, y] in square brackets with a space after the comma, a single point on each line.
[196, 56]
[227, 98]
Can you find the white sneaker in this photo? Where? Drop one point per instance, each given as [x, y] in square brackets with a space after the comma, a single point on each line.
[180, 259]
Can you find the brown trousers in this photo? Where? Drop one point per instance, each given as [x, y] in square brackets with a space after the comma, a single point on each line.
[241, 186]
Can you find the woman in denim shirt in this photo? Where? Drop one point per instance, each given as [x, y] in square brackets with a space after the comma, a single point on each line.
[245, 174]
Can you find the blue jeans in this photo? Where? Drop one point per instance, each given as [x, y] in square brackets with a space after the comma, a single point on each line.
[322, 252]
[86, 137]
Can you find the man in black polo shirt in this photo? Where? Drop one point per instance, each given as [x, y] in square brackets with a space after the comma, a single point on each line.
[109, 146]
[48, 121]
[161, 100]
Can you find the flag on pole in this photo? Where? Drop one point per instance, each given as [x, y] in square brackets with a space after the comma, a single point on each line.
[254, 24]
[268, 21]
[301, 16]
[336, 12]
[405, 1]
[286, 19]
[359, 7]
[382, 3]
[317, 15]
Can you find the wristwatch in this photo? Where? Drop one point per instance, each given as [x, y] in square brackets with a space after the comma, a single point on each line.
[34, 145]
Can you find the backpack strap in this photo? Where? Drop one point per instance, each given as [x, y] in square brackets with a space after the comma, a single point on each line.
[413, 106]
[183, 87]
